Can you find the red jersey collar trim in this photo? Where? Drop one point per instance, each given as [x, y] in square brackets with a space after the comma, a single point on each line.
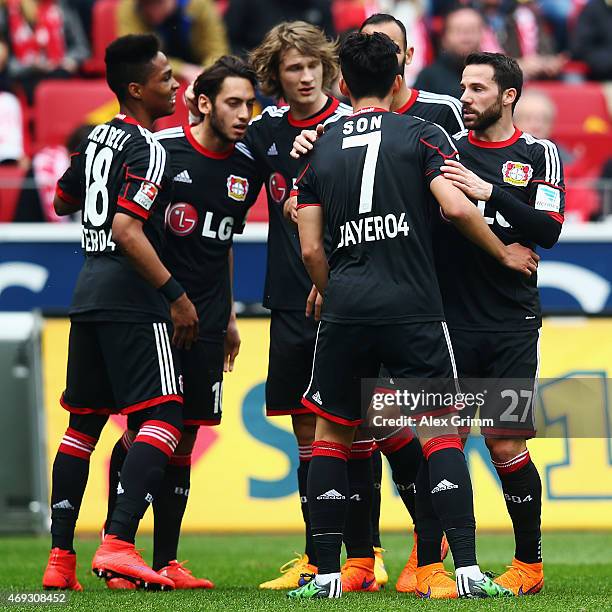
[414, 94]
[203, 150]
[485, 144]
[304, 123]
[370, 109]
[127, 119]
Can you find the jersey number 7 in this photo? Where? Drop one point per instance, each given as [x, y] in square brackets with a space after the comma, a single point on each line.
[372, 142]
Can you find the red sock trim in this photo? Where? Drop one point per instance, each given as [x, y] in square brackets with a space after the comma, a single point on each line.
[514, 464]
[321, 448]
[180, 460]
[77, 444]
[392, 444]
[159, 434]
[440, 443]
[362, 449]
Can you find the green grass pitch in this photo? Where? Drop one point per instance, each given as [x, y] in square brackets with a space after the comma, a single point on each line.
[578, 576]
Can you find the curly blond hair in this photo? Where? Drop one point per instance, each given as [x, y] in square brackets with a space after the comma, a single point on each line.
[307, 39]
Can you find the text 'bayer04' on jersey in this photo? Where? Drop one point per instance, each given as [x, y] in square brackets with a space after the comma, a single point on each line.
[118, 168]
[478, 292]
[371, 175]
[212, 194]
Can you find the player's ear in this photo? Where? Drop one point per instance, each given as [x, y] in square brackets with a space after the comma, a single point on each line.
[135, 91]
[204, 104]
[397, 83]
[509, 96]
[344, 90]
[409, 55]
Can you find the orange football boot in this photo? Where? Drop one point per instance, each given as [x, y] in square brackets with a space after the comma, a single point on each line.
[406, 582]
[118, 559]
[183, 578]
[358, 575]
[61, 571]
[523, 578]
[434, 582]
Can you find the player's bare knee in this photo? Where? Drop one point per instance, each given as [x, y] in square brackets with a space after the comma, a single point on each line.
[334, 432]
[304, 428]
[505, 449]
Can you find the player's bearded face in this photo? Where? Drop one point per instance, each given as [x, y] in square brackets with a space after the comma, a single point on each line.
[301, 77]
[232, 109]
[481, 120]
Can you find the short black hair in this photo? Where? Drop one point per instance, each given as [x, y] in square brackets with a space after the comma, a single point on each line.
[386, 18]
[210, 81]
[506, 71]
[368, 64]
[128, 60]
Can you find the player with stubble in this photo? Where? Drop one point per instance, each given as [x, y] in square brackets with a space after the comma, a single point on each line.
[120, 358]
[215, 184]
[516, 181]
[378, 170]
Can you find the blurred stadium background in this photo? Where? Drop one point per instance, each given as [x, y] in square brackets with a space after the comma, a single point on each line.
[243, 477]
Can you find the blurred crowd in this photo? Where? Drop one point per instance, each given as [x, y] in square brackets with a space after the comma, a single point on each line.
[558, 43]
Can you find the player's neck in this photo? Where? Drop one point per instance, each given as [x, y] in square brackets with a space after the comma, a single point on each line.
[499, 132]
[401, 97]
[303, 111]
[370, 102]
[139, 114]
[207, 138]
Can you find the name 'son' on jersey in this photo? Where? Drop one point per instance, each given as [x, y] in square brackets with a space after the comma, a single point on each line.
[182, 219]
[363, 124]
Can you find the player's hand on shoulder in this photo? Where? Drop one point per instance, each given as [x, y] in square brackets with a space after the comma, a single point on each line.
[232, 344]
[520, 258]
[314, 302]
[185, 322]
[290, 209]
[471, 184]
[304, 141]
[192, 105]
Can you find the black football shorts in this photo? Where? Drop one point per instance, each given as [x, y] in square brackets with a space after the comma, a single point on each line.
[119, 368]
[292, 343]
[202, 367]
[348, 354]
[498, 357]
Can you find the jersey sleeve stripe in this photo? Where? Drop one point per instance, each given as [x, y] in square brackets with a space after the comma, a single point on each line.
[131, 207]
[67, 197]
[305, 204]
[556, 216]
[162, 164]
[245, 150]
[549, 184]
[431, 146]
[454, 105]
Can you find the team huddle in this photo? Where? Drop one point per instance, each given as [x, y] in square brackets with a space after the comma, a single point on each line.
[401, 246]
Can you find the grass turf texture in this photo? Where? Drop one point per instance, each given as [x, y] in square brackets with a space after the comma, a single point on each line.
[578, 575]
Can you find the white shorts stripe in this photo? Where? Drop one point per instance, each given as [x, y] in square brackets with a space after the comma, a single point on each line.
[451, 354]
[161, 361]
[170, 358]
[314, 356]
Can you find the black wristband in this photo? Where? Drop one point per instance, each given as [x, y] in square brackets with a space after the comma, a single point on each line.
[171, 289]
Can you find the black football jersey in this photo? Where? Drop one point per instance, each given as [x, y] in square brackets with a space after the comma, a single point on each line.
[371, 175]
[437, 108]
[478, 292]
[119, 167]
[211, 196]
[269, 140]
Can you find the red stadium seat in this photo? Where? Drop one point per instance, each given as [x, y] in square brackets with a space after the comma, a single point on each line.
[11, 179]
[103, 32]
[581, 108]
[62, 106]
